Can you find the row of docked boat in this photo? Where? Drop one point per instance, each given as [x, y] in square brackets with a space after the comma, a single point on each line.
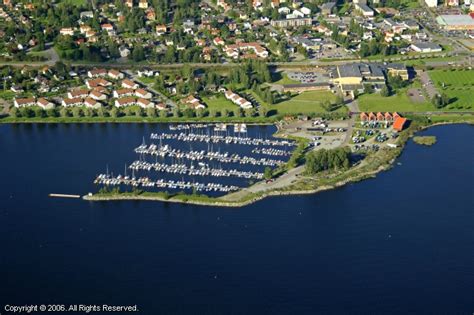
[180, 127]
[271, 151]
[195, 137]
[182, 169]
[104, 179]
[226, 157]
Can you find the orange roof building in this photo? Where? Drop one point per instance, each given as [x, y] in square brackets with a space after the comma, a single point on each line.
[364, 117]
[395, 115]
[372, 116]
[388, 116]
[399, 123]
[380, 116]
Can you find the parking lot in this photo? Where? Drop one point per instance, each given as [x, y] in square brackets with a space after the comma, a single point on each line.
[308, 77]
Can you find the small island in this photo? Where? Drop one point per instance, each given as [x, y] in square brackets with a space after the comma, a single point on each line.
[425, 140]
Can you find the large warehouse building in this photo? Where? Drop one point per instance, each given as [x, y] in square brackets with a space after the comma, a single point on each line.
[456, 22]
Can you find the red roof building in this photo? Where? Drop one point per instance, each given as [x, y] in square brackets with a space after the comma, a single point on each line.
[399, 123]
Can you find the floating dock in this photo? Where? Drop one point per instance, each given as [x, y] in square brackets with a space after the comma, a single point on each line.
[64, 196]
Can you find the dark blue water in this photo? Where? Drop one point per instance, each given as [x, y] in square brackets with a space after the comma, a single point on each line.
[400, 243]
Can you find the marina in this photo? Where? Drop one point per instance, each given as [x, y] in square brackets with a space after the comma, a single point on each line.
[215, 138]
[182, 169]
[208, 158]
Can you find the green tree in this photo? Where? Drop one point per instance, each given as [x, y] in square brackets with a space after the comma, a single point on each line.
[268, 173]
[151, 112]
[385, 91]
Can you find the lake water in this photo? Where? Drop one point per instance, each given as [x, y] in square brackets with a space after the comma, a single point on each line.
[400, 243]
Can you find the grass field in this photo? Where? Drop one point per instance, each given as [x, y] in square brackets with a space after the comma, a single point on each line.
[399, 102]
[282, 78]
[219, 103]
[75, 2]
[458, 85]
[305, 103]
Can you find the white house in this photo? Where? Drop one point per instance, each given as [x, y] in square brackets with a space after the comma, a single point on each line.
[129, 84]
[23, 102]
[123, 92]
[92, 103]
[68, 102]
[96, 95]
[125, 101]
[115, 74]
[143, 94]
[78, 94]
[145, 103]
[44, 103]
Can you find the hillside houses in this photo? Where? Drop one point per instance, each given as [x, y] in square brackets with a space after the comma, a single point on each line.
[131, 101]
[193, 102]
[235, 51]
[237, 100]
[129, 84]
[27, 102]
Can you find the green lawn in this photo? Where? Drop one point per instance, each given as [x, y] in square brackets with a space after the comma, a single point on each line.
[7, 95]
[305, 103]
[75, 2]
[219, 102]
[458, 85]
[282, 78]
[147, 80]
[399, 102]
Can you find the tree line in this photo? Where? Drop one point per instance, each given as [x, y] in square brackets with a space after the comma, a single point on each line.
[333, 159]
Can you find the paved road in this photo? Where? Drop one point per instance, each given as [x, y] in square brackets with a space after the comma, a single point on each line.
[281, 65]
[353, 108]
[281, 182]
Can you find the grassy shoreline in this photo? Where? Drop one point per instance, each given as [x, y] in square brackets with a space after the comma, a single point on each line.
[374, 164]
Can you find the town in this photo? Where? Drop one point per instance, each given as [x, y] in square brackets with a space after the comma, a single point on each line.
[340, 79]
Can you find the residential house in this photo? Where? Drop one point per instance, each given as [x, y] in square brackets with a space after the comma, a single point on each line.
[44, 103]
[129, 84]
[115, 74]
[81, 93]
[92, 103]
[93, 83]
[94, 73]
[143, 94]
[237, 99]
[161, 29]
[125, 101]
[66, 31]
[24, 102]
[144, 103]
[123, 93]
[69, 102]
[96, 95]
[143, 4]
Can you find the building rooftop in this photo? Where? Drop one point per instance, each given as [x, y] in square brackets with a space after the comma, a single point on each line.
[426, 45]
[349, 70]
[454, 20]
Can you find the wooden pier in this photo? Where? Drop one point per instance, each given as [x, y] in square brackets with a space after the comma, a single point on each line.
[64, 196]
